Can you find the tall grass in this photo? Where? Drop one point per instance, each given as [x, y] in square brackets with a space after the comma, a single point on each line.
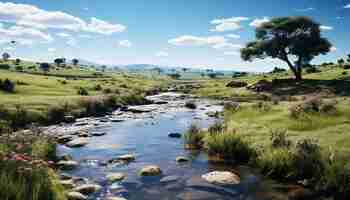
[194, 138]
[26, 169]
[229, 146]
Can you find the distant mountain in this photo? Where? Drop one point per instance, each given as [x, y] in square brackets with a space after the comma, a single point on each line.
[84, 62]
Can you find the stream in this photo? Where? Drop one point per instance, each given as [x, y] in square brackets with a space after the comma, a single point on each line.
[143, 132]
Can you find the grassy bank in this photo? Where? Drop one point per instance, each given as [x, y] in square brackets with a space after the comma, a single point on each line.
[26, 167]
[46, 99]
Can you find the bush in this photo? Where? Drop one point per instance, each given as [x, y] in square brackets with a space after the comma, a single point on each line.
[19, 68]
[336, 179]
[229, 147]
[311, 69]
[7, 86]
[277, 163]
[94, 107]
[5, 66]
[346, 66]
[313, 104]
[98, 87]
[107, 91]
[217, 127]
[231, 106]
[279, 139]
[194, 138]
[82, 91]
[57, 114]
[262, 106]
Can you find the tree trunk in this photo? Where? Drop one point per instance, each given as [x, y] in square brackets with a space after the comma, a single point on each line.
[296, 70]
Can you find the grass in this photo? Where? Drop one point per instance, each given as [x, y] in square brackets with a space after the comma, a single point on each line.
[39, 95]
[25, 168]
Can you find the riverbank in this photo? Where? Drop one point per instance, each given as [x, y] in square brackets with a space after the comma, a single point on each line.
[48, 99]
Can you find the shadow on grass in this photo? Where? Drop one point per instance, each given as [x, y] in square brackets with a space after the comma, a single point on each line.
[339, 87]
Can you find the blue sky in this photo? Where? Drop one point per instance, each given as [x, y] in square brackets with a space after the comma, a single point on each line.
[197, 33]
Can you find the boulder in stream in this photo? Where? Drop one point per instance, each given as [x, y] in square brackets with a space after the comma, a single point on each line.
[87, 188]
[76, 196]
[67, 164]
[151, 170]
[114, 177]
[221, 178]
[181, 159]
[80, 142]
[174, 135]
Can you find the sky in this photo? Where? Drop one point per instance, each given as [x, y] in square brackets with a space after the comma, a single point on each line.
[183, 33]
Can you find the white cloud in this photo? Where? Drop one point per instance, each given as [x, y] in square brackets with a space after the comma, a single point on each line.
[12, 12]
[227, 24]
[24, 35]
[189, 40]
[64, 35]
[51, 49]
[259, 21]
[227, 46]
[9, 48]
[34, 17]
[72, 42]
[125, 43]
[231, 53]
[326, 28]
[347, 6]
[333, 48]
[162, 54]
[233, 36]
[103, 27]
[305, 9]
[85, 36]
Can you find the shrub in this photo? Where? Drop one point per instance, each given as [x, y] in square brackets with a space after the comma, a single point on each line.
[277, 163]
[7, 86]
[308, 159]
[279, 139]
[57, 114]
[94, 106]
[98, 87]
[107, 91]
[312, 104]
[217, 127]
[82, 91]
[336, 179]
[229, 146]
[262, 106]
[19, 68]
[5, 66]
[346, 66]
[194, 138]
[231, 106]
[311, 69]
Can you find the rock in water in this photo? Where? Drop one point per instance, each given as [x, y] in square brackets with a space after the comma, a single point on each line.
[181, 159]
[64, 139]
[221, 178]
[175, 135]
[115, 198]
[80, 142]
[113, 177]
[76, 196]
[87, 188]
[151, 170]
[125, 158]
[67, 164]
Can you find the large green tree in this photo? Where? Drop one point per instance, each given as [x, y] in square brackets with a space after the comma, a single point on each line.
[294, 40]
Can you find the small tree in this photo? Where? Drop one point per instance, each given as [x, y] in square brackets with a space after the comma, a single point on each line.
[5, 56]
[17, 61]
[45, 67]
[340, 61]
[103, 68]
[59, 61]
[75, 61]
[286, 38]
[8, 86]
[212, 75]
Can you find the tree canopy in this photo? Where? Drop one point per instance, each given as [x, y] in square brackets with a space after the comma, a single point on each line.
[294, 40]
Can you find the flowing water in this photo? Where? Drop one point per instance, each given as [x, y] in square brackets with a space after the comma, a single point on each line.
[146, 136]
